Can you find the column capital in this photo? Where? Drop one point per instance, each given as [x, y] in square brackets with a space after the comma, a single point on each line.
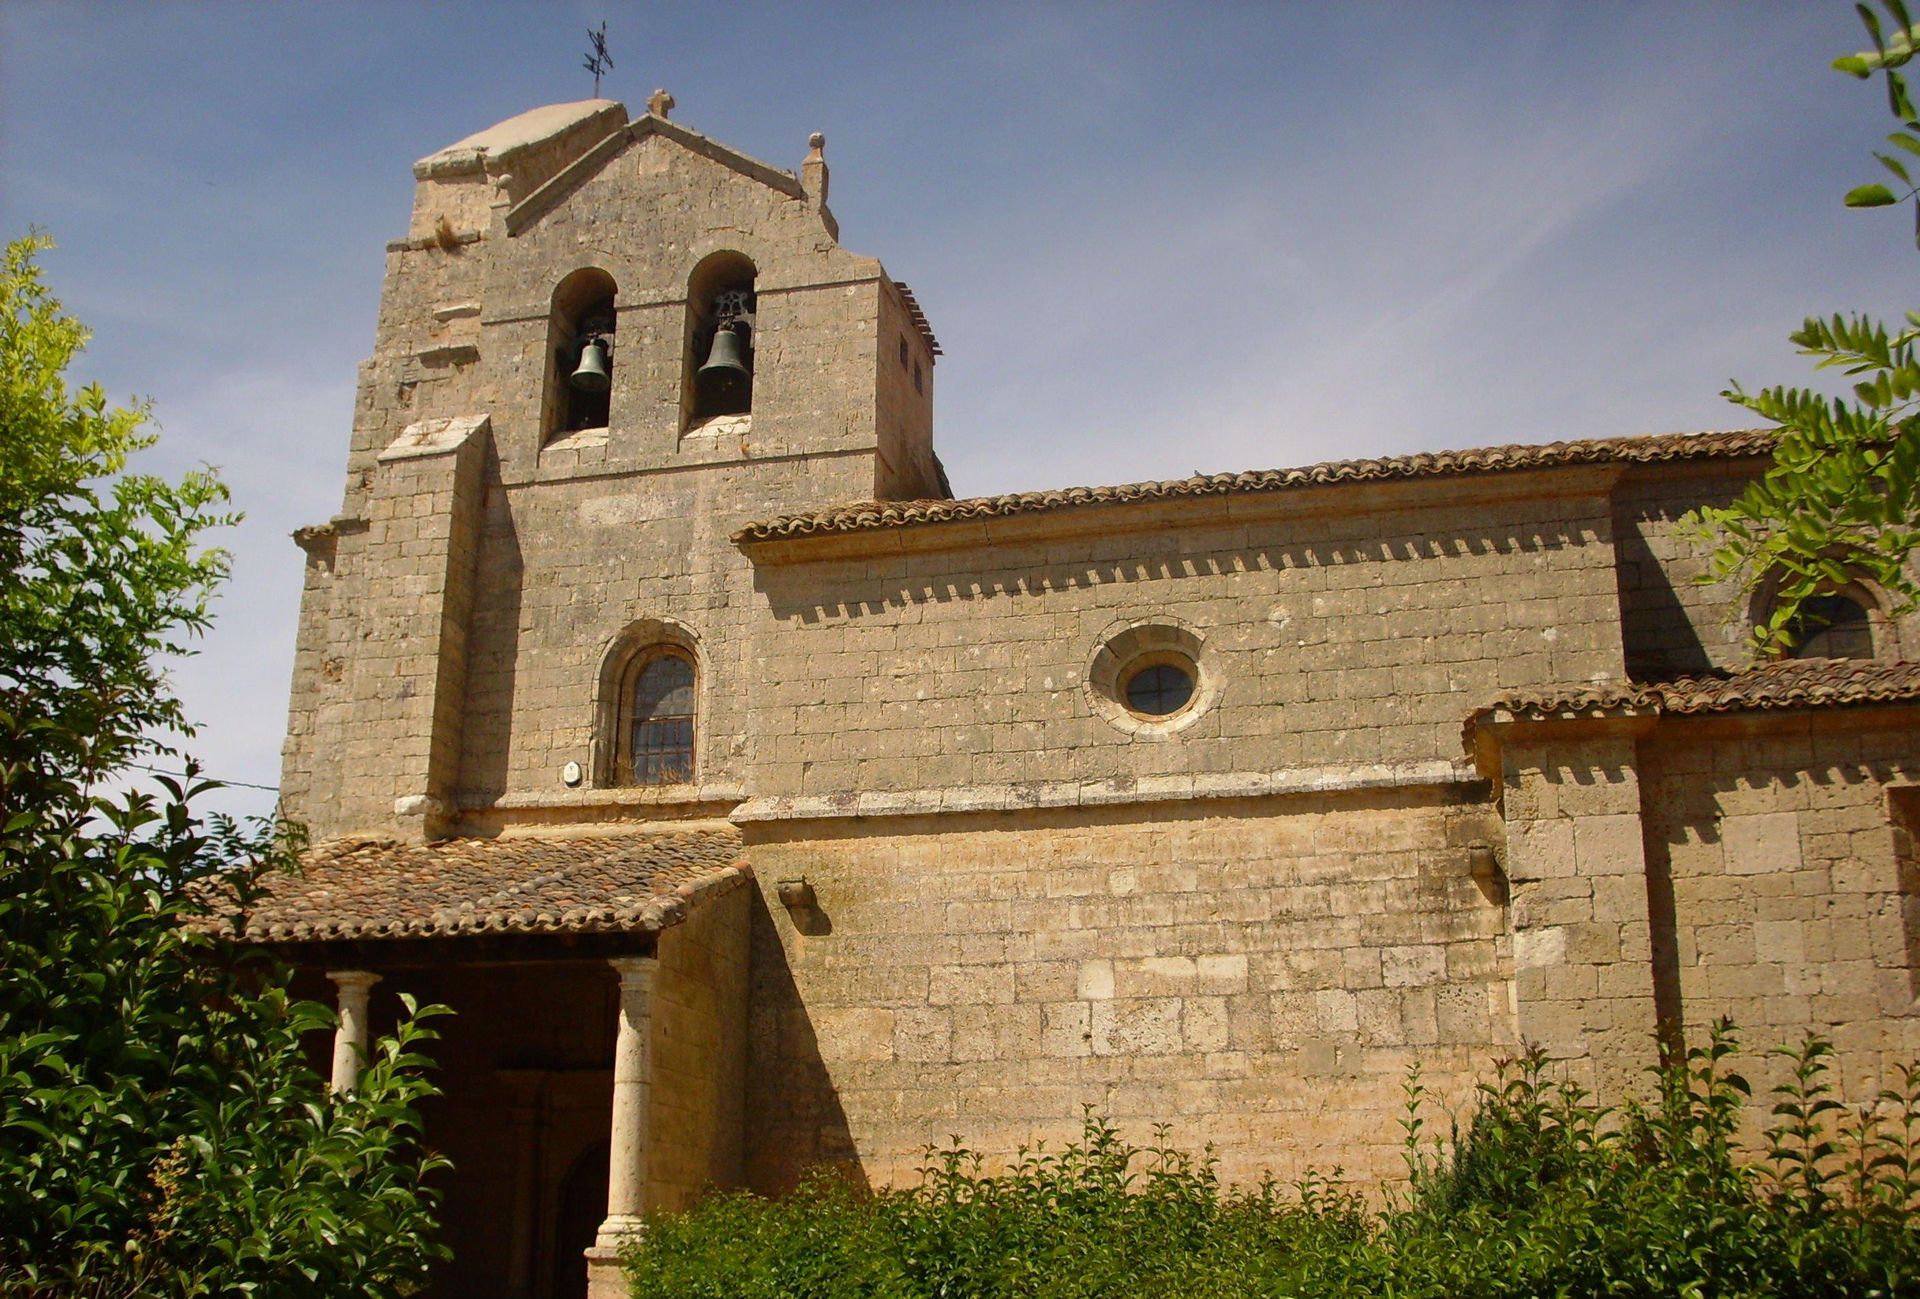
[359, 979]
[633, 968]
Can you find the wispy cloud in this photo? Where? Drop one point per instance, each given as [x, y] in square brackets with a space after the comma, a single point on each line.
[1153, 238]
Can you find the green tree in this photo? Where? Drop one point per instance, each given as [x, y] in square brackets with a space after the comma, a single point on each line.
[161, 1133]
[1841, 501]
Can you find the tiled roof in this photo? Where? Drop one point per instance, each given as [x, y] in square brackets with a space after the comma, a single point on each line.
[1797, 683]
[919, 317]
[868, 515]
[377, 888]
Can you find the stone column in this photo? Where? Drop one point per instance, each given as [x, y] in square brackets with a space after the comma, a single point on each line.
[350, 1037]
[627, 1153]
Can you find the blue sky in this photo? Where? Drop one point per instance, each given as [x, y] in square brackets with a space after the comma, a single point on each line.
[1153, 239]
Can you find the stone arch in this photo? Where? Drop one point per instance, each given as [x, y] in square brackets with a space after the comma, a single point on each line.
[1882, 628]
[628, 653]
[720, 295]
[584, 306]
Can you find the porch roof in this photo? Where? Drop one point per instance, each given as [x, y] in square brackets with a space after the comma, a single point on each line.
[1793, 683]
[358, 888]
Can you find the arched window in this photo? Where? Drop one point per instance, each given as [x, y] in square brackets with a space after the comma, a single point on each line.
[657, 707]
[1833, 627]
[580, 339]
[721, 323]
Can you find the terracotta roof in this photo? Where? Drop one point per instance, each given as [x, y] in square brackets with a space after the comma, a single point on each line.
[377, 888]
[919, 317]
[1797, 683]
[868, 515]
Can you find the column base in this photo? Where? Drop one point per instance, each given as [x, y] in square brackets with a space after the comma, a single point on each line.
[605, 1277]
[616, 1230]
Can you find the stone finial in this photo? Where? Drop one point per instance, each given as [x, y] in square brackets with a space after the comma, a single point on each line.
[660, 103]
[813, 172]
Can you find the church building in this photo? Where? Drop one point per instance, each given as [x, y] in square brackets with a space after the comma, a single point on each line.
[757, 804]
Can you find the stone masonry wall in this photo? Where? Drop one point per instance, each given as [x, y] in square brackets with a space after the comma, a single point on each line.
[319, 674]
[1333, 640]
[384, 639]
[1257, 974]
[564, 568]
[1583, 979]
[906, 461]
[699, 1048]
[1792, 906]
[1674, 623]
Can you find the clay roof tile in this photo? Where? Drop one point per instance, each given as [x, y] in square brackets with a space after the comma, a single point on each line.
[368, 888]
[862, 516]
[1795, 683]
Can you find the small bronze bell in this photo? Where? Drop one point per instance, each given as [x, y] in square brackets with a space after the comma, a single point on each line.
[592, 375]
[725, 374]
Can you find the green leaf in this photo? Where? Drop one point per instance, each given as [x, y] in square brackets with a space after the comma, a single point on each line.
[1870, 196]
[1898, 101]
[1871, 21]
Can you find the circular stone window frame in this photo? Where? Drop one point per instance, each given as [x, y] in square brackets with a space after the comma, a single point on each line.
[1134, 646]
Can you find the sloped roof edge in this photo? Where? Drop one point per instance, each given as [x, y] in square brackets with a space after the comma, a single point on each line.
[357, 888]
[563, 182]
[499, 143]
[919, 316]
[1796, 683]
[872, 515]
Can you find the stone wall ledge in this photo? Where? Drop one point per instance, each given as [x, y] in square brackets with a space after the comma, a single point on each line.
[1025, 795]
[625, 796]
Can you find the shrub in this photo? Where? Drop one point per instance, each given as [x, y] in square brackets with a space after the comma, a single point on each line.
[1542, 1192]
[161, 1133]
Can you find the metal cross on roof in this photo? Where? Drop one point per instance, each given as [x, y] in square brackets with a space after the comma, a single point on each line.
[598, 60]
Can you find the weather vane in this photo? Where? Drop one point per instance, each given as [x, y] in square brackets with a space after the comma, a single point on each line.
[599, 60]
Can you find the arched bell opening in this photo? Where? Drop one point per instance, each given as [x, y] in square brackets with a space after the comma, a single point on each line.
[721, 322]
[580, 347]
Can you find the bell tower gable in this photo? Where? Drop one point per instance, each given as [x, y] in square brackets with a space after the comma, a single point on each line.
[708, 255]
[741, 331]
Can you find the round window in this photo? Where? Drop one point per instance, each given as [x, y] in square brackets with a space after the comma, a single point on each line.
[1159, 689]
[1152, 680]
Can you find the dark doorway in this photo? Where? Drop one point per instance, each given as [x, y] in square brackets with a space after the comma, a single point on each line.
[583, 1204]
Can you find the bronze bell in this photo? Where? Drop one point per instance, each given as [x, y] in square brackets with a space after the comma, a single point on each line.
[725, 373]
[592, 375]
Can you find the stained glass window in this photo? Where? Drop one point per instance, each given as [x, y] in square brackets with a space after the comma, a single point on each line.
[660, 745]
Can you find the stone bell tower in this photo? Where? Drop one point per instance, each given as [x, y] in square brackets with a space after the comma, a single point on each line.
[603, 344]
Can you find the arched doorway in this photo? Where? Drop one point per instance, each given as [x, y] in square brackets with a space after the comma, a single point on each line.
[583, 1205]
